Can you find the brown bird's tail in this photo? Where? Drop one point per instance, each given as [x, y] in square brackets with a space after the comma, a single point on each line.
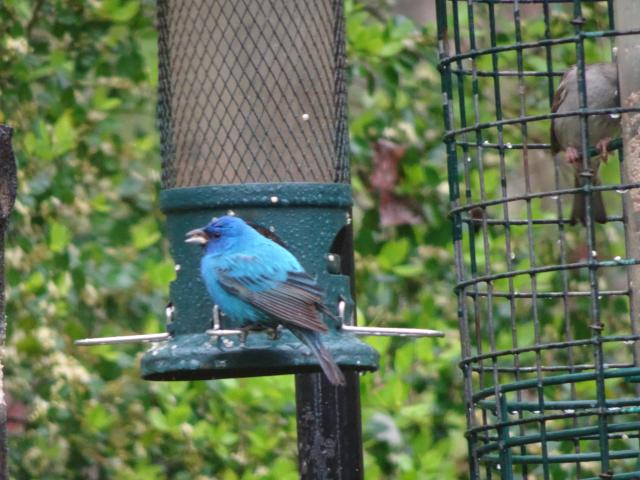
[578, 212]
[327, 363]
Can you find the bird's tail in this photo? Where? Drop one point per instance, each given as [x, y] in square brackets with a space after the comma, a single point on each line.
[578, 212]
[327, 363]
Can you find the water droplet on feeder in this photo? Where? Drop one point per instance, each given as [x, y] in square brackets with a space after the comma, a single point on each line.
[272, 228]
[468, 159]
[594, 253]
[622, 190]
[628, 342]
[331, 257]
[537, 412]
[486, 142]
[615, 116]
[274, 199]
[227, 342]
[498, 466]
[617, 258]
[625, 436]
[513, 255]
[614, 50]
[569, 410]
[305, 116]
[178, 267]
[509, 145]
[231, 213]
[554, 197]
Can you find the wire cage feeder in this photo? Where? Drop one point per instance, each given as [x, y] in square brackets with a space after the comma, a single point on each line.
[252, 117]
[548, 310]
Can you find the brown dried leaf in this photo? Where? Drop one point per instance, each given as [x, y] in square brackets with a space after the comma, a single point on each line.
[386, 157]
[395, 211]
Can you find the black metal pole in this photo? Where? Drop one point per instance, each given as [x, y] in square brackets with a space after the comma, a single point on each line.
[329, 422]
[8, 188]
[329, 430]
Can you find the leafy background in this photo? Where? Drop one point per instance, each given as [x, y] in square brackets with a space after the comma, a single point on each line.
[86, 257]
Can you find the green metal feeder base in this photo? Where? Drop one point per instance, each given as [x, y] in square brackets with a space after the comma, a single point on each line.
[203, 357]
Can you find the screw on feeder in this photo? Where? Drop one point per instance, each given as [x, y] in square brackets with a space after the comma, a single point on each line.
[168, 312]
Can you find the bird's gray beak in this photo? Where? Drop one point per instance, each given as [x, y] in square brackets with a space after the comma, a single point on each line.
[197, 236]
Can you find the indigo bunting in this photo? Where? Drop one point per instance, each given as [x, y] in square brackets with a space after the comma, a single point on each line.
[258, 283]
[602, 92]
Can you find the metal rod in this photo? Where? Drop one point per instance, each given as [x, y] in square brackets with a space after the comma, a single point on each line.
[220, 332]
[150, 337]
[392, 332]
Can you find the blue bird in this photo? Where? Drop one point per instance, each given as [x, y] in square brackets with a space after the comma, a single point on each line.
[258, 283]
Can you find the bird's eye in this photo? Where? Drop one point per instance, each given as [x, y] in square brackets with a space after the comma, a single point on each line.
[216, 234]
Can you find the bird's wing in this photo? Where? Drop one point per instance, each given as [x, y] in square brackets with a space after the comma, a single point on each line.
[291, 297]
[558, 97]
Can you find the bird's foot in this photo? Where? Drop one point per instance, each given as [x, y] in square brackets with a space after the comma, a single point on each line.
[275, 332]
[244, 333]
[572, 155]
[603, 148]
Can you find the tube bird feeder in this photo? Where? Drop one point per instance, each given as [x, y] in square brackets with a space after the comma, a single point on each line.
[252, 113]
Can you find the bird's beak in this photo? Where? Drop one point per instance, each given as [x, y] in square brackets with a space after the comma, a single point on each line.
[196, 236]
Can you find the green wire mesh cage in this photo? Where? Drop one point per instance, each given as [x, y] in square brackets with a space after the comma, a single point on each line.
[547, 307]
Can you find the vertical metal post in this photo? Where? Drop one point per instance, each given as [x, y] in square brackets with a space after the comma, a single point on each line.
[8, 187]
[627, 17]
[329, 425]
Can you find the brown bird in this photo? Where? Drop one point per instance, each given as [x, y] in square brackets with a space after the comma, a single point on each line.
[602, 92]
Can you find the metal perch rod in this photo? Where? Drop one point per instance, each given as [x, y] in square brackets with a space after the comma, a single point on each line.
[161, 337]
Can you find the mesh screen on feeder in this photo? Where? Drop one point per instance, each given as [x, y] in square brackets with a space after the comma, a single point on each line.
[548, 315]
[252, 92]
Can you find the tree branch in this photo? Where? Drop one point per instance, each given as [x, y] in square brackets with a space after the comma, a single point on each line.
[8, 188]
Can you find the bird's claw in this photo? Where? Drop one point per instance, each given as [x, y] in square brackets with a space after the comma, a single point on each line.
[603, 148]
[572, 155]
[244, 333]
[275, 332]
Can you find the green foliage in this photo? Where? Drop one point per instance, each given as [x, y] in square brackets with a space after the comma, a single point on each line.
[86, 257]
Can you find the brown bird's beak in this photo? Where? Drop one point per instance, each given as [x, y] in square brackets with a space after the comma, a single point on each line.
[197, 236]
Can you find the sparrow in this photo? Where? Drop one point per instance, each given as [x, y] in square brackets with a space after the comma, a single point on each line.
[602, 92]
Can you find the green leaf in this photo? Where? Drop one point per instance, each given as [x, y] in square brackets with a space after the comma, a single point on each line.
[119, 11]
[145, 233]
[98, 418]
[394, 253]
[64, 135]
[59, 236]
